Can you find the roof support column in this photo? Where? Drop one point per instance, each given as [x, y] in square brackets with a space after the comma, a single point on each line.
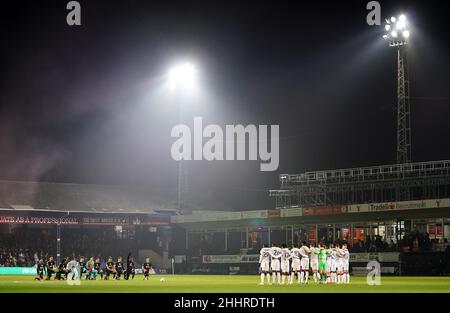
[246, 237]
[226, 239]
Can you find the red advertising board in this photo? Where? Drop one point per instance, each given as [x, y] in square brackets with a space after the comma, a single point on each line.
[273, 213]
[322, 210]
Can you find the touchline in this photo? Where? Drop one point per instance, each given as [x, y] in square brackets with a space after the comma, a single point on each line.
[209, 144]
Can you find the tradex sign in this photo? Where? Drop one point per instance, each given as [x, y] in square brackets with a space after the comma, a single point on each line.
[394, 206]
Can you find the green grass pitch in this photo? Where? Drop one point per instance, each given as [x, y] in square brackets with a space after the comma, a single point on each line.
[222, 284]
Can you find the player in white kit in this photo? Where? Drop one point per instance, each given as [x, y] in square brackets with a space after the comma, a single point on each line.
[285, 257]
[275, 263]
[264, 264]
[314, 261]
[346, 259]
[331, 265]
[304, 263]
[339, 264]
[295, 266]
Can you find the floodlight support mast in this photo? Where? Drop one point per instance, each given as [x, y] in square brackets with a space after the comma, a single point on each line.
[403, 107]
[398, 36]
[397, 33]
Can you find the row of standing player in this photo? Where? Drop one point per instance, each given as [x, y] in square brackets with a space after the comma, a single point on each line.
[91, 268]
[328, 265]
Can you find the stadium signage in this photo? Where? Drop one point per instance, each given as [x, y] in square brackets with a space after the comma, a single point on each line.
[401, 205]
[378, 256]
[104, 220]
[17, 270]
[37, 220]
[393, 257]
[330, 210]
[64, 220]
[237, 258]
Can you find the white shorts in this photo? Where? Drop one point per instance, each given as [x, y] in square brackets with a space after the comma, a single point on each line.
[296, 265]
[345, 266]
[340, 266]
[285, 266]
[265, 266]
[314, 266]
[305, 264]
[331, 265]
[275, 265]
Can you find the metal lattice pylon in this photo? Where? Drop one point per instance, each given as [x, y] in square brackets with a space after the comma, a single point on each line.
[403, 108]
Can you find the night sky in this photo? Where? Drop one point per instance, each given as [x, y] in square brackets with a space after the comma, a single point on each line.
[85, 104]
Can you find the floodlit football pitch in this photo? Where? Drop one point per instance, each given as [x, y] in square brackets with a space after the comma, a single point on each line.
[222, 284]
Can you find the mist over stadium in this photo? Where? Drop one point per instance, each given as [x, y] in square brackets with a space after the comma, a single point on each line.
[296, 123]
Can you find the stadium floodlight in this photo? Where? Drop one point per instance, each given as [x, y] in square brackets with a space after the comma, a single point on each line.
[397, 34]
[400, 24]
[183, 76]
[183, 79]
[397, 31]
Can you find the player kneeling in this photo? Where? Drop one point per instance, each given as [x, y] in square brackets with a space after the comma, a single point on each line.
[109, 269]
[119, 268]
[146, 267]
[40, 269]
[61, 270]
[50, 268]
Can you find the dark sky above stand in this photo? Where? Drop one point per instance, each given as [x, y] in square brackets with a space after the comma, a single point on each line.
[85, 104]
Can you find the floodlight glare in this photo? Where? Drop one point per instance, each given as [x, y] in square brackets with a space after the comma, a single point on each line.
[397, 31]
[183, 76]
[400, 24]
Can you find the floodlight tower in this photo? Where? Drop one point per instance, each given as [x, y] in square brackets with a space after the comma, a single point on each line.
[397, 33]
[182, 81]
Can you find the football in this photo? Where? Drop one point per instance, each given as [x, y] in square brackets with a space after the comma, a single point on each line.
[162, 279]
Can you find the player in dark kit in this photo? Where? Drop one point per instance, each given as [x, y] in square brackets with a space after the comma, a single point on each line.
[50, 267]
[119, 268]
[40, 269]
[131, 267]
[82, 266]
[146, 267]
[109, 268]
[61, 270]
[97, 268]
